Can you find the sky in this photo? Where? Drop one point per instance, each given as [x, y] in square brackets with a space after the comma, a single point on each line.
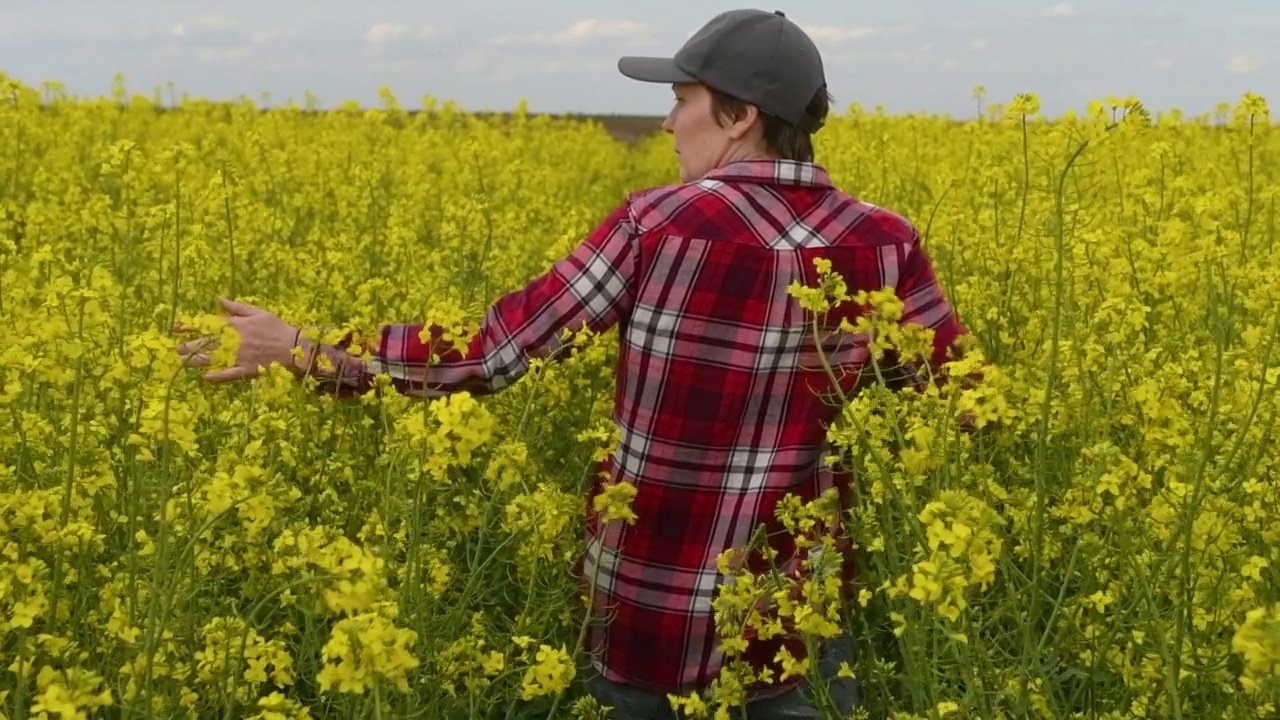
[560, 56]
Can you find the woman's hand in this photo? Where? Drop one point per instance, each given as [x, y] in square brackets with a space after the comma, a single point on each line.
[264, 339]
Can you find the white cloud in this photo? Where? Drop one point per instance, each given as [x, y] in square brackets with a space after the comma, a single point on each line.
[435, 32]
[979, 43]
[211, 39]
[588, 29]
[262, 37]
[1162, 63]
[219, 54]
[471, 62]
[214, 22]
[204, 22]
[398, 46]
[384, 32]
[918, 58]
[834, 35]
[1241, 65]
[630, 32]
[1147, 17]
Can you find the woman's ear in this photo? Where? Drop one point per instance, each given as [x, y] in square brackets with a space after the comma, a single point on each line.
[747, 118]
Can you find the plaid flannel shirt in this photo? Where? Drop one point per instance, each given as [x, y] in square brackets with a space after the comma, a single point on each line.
[718, 384]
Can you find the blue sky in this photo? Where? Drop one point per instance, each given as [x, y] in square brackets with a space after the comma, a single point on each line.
[560, 55]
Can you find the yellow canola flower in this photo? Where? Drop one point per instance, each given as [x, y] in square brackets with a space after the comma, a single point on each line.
[73, 693]
[367, 651]
[551, 672]
[614, 502]
[1257, 640]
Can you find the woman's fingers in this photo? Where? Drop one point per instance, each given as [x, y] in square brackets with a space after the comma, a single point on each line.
[231, 374]
[238, 308]
[199, 345]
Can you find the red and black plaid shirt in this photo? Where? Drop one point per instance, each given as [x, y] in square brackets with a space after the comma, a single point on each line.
[718, 381]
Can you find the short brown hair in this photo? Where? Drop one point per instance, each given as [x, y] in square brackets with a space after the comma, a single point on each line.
[780, 137]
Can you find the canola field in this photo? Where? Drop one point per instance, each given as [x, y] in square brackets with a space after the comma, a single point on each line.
[1104, 543]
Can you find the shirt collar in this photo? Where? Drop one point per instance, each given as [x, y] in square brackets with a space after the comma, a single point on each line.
[777, 172]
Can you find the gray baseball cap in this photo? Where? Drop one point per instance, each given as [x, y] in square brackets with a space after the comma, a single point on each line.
[756, 56]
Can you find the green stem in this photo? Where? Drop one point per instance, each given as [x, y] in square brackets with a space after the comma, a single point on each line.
[1037, 530]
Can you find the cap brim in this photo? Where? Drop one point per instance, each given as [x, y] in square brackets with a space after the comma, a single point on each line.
[653, 69]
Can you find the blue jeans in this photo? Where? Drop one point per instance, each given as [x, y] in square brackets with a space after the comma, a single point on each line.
[631, 703]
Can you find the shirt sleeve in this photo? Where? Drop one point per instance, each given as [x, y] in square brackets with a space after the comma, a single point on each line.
[925, 304]
[593, 286]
